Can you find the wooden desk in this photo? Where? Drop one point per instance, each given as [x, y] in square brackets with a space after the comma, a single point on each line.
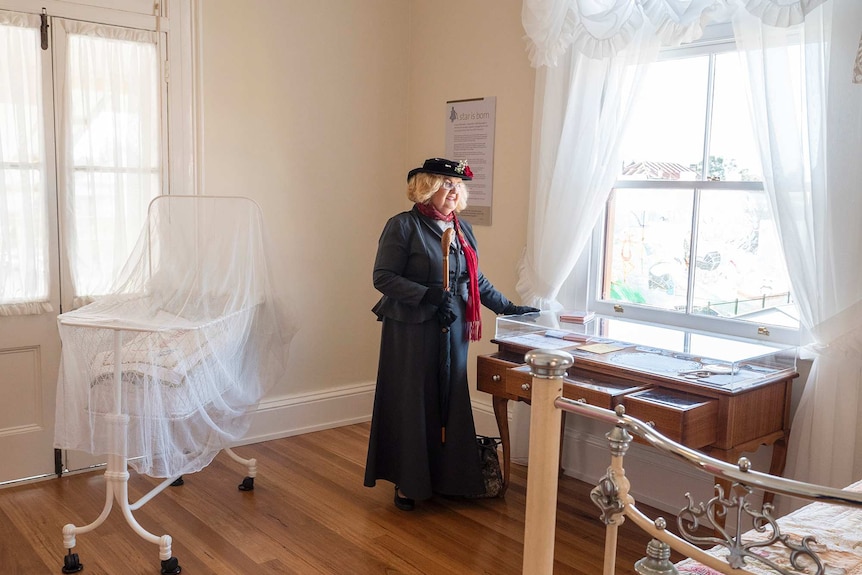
[724, 423]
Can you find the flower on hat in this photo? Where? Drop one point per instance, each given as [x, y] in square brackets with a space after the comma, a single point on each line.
[464, 169]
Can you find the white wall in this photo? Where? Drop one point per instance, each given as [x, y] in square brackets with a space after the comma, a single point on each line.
[305, 108]
[317, 109]
[472, 49]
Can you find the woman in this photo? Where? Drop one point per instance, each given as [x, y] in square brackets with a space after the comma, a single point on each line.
[422, 434]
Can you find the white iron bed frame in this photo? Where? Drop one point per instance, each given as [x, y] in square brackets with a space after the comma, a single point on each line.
[800, 554]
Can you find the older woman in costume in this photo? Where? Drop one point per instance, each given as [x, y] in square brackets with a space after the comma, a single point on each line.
[422, 434]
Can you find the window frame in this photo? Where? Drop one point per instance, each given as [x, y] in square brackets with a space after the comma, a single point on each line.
[717, 39]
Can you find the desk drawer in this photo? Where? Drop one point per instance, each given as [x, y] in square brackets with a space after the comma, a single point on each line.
[492, 377]
[599, 393]
[591, 391]
[683, 417]
[519, 381]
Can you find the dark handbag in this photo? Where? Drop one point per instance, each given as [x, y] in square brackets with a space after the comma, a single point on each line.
[491, 473]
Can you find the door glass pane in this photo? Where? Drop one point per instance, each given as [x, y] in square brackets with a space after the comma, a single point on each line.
[740, 271]
[24, 261]
[647, 247]
[113, 151]
[664, 137]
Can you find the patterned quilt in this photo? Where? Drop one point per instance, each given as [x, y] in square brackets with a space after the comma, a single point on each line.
[836, 529]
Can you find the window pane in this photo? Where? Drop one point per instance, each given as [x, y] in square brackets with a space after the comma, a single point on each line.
[671, 339]
[739, 268]
[732, 149]
[24, 275]
[109, 215]
[665, 135]
[648, 240]
[114, 117]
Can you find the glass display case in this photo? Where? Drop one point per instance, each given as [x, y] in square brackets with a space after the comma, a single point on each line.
[712, 360]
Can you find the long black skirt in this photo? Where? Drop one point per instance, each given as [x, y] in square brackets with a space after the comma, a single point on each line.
[405, 446]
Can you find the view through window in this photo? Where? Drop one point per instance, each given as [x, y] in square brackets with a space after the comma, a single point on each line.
[689, 228]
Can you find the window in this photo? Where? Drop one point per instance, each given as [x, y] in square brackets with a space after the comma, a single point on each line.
[24, 260]
[85, 141]
[689, 238]
[112, 136]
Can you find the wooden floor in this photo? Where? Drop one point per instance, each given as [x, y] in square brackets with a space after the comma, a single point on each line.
[309, 513]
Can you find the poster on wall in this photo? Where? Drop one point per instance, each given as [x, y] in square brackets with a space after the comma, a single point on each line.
[470, 136]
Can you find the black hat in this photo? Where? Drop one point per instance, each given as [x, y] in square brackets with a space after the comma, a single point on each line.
[444, 167]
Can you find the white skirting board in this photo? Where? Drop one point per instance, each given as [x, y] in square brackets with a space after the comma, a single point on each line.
[285, 416]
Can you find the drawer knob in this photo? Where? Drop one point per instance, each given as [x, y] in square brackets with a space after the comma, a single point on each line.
[525, 387]
[496, 377]
[582, 400]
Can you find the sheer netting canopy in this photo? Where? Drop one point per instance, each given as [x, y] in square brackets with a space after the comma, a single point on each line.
[165, 370]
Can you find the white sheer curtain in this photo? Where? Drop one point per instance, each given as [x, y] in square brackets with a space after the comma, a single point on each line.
[24, 278]
[111, 164]
[810, 138]
[592, 54]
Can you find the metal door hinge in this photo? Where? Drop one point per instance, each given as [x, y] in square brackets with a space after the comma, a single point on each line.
[43, 28]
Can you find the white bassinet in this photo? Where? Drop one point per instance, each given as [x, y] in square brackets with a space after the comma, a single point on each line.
[162, 373]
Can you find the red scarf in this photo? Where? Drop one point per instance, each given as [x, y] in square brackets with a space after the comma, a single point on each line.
[474, 317]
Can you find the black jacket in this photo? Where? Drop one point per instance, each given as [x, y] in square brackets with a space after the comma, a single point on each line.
[410, 260]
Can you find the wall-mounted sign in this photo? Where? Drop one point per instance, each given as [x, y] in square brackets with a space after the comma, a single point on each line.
[470, 136]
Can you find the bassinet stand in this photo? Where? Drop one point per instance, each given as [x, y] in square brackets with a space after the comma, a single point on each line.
[117, 477]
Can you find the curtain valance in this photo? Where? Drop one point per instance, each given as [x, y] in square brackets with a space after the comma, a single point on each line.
[601, 28]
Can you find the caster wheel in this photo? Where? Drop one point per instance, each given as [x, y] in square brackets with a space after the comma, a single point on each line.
[247, 484]
[171, 567]
[178, 481]
[71, 563]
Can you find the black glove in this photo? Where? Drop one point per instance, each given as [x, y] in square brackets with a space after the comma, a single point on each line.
[437, 296]
[513, 309]
[445, 306]
[446, 313]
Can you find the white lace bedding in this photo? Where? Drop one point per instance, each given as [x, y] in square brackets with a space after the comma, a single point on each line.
[836, 529]
[167, 359]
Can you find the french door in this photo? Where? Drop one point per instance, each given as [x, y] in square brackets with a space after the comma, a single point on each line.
[81, 155]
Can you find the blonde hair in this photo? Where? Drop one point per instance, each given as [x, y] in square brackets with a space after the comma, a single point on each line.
[423, 185]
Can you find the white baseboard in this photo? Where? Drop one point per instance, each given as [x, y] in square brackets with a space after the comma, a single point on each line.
[484, 419]
[285, 416]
